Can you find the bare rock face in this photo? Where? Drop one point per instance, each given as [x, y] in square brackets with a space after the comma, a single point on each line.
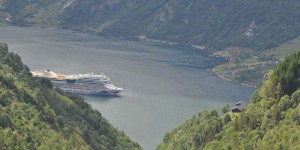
[251, 29]
[166, 13]
[68, 4]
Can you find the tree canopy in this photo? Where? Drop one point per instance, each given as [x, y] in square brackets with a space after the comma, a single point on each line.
[216, 24]
[33, 115]
[270, 121]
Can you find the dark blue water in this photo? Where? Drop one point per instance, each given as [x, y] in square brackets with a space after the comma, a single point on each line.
[164, 86]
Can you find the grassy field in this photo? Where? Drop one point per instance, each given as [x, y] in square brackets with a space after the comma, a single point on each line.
[1, 4]
[284, 50]
[251, 67]
[46, 16]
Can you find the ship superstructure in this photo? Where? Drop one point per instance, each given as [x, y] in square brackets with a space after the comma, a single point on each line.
[89, 84]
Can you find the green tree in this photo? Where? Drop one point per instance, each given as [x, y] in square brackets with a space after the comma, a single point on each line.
[225, 109]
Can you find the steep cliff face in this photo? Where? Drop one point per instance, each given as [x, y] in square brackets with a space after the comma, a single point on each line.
[214, 23]
[91, 13]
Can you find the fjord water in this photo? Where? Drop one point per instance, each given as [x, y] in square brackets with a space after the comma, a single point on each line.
[164, 85]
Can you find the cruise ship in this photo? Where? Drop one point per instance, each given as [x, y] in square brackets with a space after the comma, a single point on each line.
[86, 84]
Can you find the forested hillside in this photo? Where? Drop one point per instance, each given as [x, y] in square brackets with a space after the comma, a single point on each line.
[256, 24]
[34, 116]
[270, 121]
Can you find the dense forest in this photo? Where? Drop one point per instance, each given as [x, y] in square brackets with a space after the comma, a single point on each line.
[217, 24]
[33, 115]
[270, 121]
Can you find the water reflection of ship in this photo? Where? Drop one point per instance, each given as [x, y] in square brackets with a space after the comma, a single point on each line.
[90, 84]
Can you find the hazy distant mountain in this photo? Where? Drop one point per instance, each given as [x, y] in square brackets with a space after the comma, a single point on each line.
[258, 24]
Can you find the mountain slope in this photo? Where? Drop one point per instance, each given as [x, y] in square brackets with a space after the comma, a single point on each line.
[34, 116]
[214, 23]
[270, 121]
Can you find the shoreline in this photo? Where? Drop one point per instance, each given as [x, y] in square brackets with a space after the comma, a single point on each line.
[226, 79]
[145, 39]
